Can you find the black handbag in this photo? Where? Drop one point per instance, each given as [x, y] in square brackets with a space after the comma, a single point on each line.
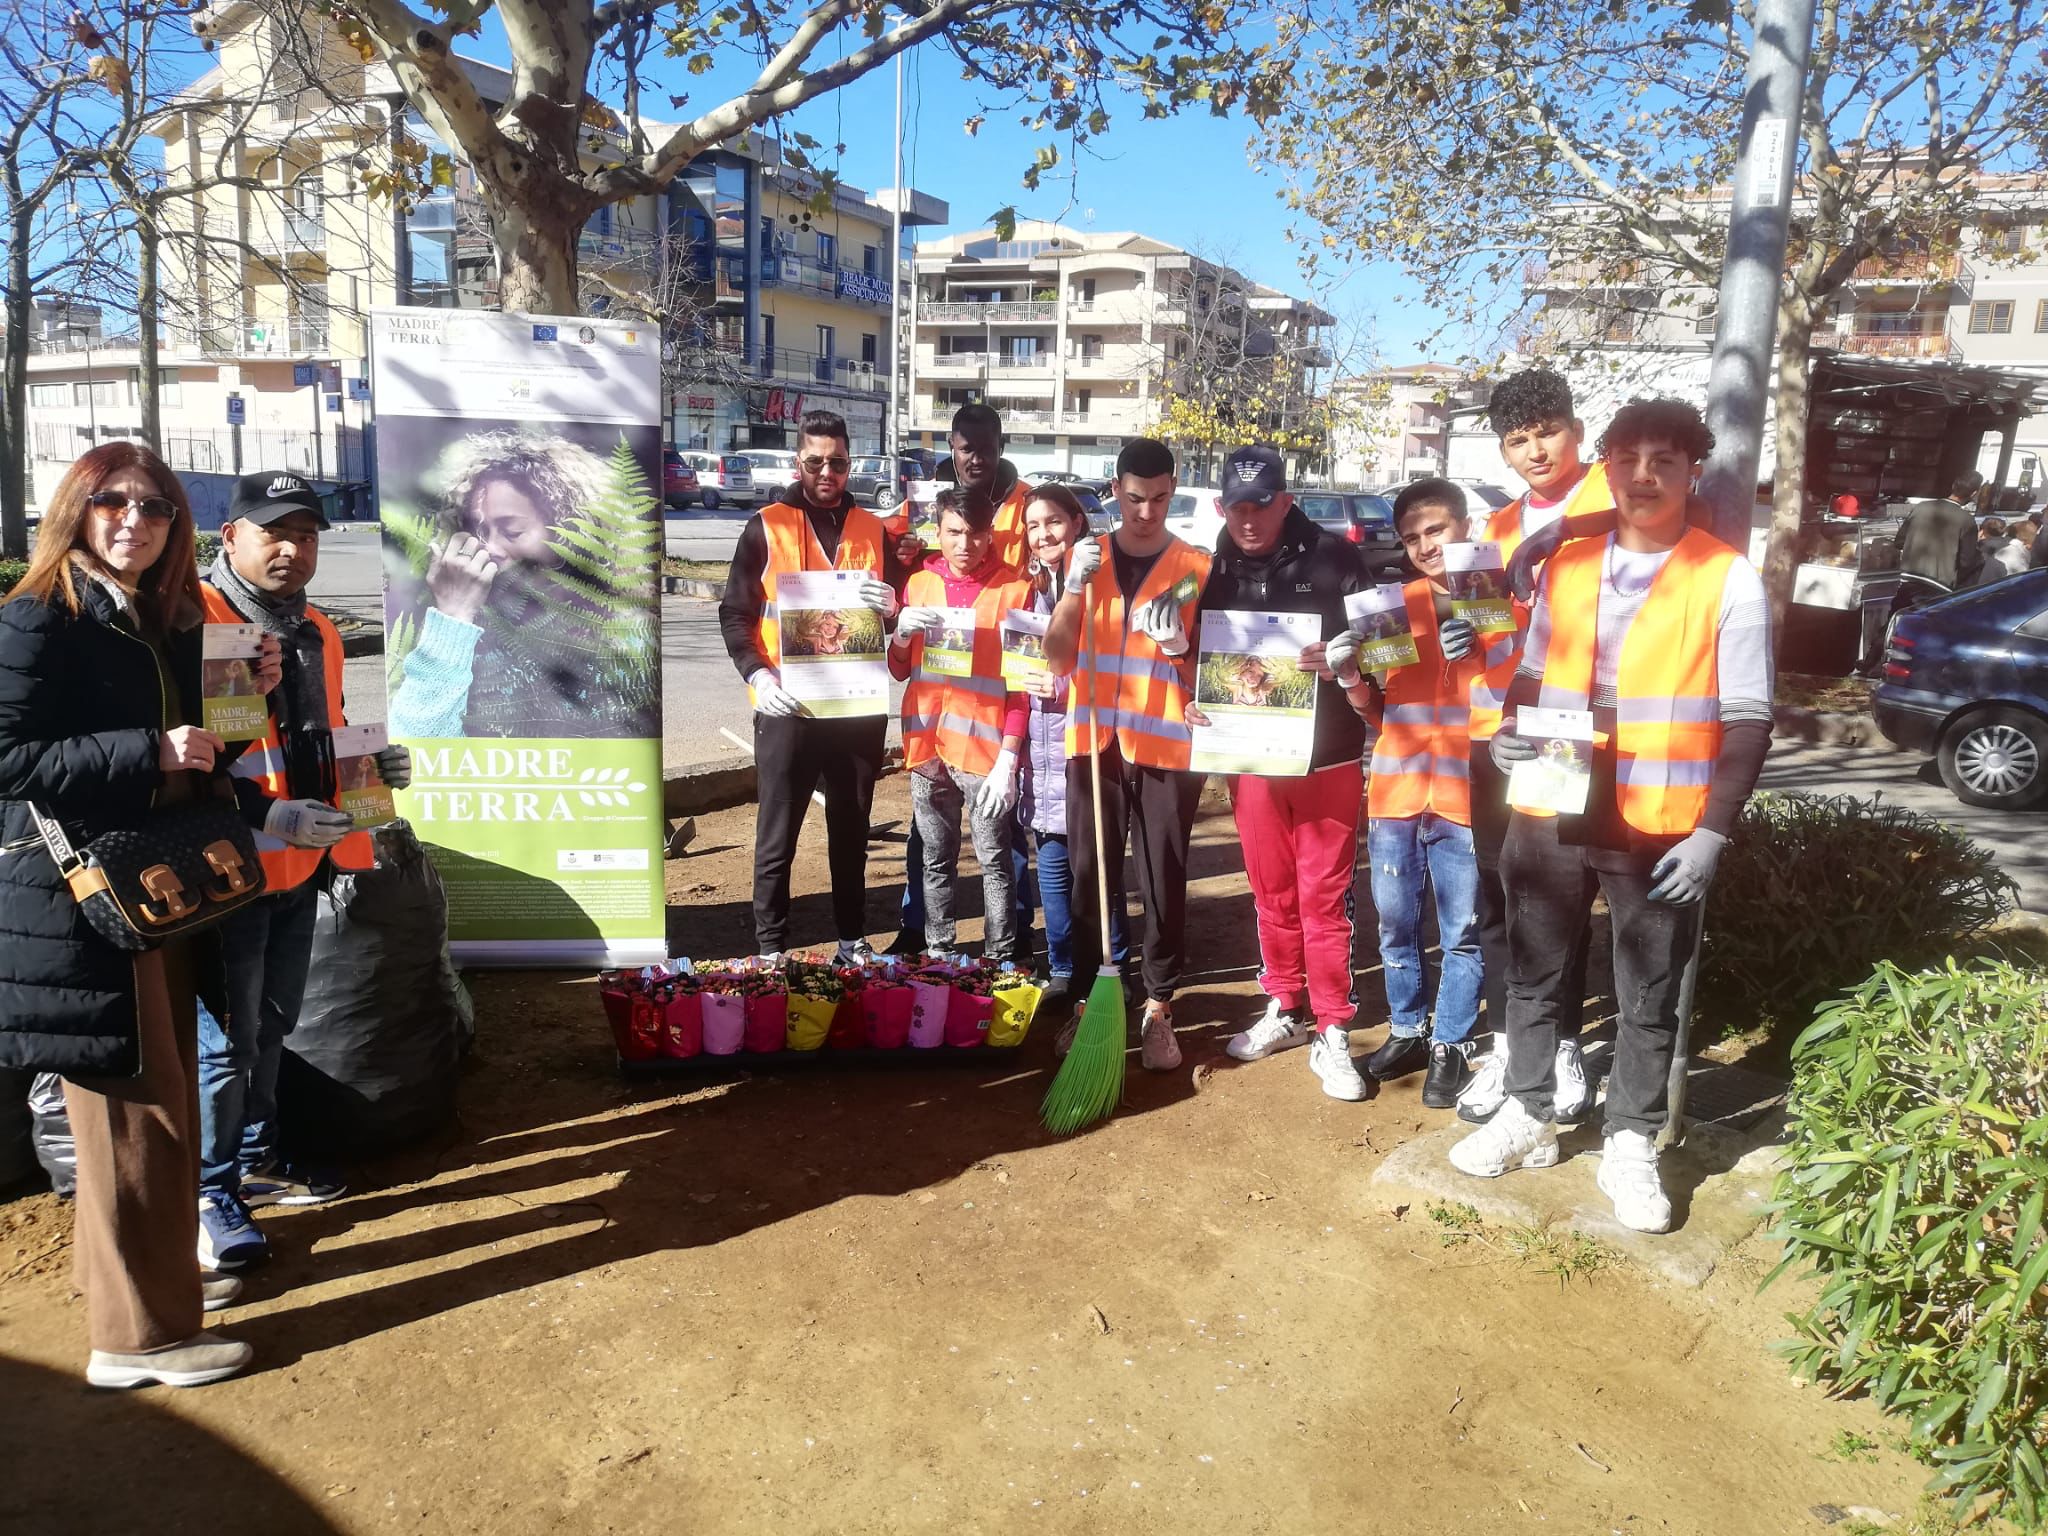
[183, 868]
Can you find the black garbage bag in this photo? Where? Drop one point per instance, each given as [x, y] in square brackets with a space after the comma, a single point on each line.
[373, 1062]
[17, 1142]
[55, 1149]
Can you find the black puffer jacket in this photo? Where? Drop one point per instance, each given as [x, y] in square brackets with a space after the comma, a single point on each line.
[82, 709]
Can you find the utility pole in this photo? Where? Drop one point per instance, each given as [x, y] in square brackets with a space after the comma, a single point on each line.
[1753, 273]
[892, 434]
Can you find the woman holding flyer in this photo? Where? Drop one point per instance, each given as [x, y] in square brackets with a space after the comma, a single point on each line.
[1654, 643]
[99, 677]
[962, 726]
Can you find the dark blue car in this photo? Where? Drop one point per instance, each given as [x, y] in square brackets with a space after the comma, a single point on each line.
[1966, 678]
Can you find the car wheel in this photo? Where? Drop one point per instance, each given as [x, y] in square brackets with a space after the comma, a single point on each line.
[889, 496]
[711, 501]
[1997, 758]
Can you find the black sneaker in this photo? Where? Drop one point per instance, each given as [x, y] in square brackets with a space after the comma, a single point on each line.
[906, 942]
[1401, 1055]
[1449, 1072]
[291, 1184]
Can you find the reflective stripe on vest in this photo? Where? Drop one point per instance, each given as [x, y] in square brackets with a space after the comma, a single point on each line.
[262, 764]
[792, 546]
[1123, 682]
[1667, 730]
[1419, 758]
[1504, 652]
[959, 720]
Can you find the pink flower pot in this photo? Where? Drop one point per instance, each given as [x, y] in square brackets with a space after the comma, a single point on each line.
[887, 1011]
[682, 1026]
[725, 1022]
[967, 1019]
[930, 1001]
[767, 1022]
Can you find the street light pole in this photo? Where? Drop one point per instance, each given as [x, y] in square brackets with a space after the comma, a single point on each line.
[892, 439]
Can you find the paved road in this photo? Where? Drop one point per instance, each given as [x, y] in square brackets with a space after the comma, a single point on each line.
[700, 535]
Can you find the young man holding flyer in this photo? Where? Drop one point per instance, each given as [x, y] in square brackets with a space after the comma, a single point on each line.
[1121, 628]
[962, 724]
[1420, 837]
[1655, 642]
[1541, 438]
[270, 546]
[1300, 834]
[793, 750]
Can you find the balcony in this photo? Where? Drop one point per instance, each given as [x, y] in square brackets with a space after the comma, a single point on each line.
[229, 337]
[992, 312]
[1943, 272]
[952, 362]
[1014, 363]
[1026, 421]
[287, 233]
[1917, 336]
[637, 250]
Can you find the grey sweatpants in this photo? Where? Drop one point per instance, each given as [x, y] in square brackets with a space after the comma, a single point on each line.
[939, 795]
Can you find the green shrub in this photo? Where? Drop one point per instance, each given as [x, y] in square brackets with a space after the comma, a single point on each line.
[11, 572]
[1814, 891]
[205, 547]
[1918, 1171]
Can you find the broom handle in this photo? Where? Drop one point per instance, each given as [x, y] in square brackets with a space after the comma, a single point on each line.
[1095, 753]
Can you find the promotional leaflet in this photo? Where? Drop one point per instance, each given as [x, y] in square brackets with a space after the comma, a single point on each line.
[924, 521]
[1255, 704]
[527, 684]
[232, 708]
[363, 792]
[1379, 618]
[949, 644]
[1479, 587]
[1024, 645]
[834, 650]
[1556, 780]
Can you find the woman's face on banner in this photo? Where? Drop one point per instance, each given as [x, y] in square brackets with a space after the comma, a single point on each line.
[512, 525]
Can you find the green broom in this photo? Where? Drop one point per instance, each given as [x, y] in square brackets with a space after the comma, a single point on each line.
[1090, 1081]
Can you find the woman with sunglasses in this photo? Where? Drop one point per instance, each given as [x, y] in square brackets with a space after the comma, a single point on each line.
[99, 684]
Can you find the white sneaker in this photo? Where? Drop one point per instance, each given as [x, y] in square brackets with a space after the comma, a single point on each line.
[1282, 1029]
[1158, 1050]
[1513, 1138]
[1574, 1094]
[1488, 1088]
[1329, 1057]
[1628, 1176]
[203, 1358]
[219, 1292]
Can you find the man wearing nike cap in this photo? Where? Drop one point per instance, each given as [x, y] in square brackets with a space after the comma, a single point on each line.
[286, 782]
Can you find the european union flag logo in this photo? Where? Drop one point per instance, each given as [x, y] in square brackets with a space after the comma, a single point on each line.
[543, 333]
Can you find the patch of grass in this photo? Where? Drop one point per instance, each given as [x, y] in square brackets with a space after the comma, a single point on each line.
[1847, 1445]
[1456, 1223]
[1834, 695]
[1567, 1255]
[697, 570]
[1932, 1518]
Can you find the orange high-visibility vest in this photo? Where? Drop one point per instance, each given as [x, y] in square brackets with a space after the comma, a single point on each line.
[1123, 681]
[1503, 653]
[1667, 708]
[959, 720]
[1419, 760]
[792, 546]
[1008, 528]
[262, 764]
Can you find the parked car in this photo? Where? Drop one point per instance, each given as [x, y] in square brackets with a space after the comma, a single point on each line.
[1196, 516]
[678, 479]
[877, 480]
[1966, 678]
[723, 477]
[1366, 519]
[773, 468]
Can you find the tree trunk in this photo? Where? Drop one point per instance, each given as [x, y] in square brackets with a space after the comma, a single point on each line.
[149, 393]
[1788, 501]
[536, 255]
[14, 444]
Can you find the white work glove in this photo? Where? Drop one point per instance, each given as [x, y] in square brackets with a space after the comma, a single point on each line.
[1687, 869]
[878, 595]
[771, 698]
[998, 792]
[1083, 561]
[916, 621]
[307, 823]
[1509, 749]
[1340, 655]
[1159, 621]
[394, 766]
[1457, 637]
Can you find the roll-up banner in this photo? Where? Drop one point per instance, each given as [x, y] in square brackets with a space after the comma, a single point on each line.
[518, 470]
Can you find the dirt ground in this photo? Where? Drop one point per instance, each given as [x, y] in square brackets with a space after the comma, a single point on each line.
[886, 1301]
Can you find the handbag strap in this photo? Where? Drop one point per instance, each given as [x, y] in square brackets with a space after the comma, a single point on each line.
[56, 839]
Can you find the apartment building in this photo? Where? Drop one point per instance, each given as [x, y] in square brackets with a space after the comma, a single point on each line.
[1394, 424]
[771, 307]
[1077, 337]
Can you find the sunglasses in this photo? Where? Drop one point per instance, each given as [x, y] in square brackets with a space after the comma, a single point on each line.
[113, 506]
[837, 466]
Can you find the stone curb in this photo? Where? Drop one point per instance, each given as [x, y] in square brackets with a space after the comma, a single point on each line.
[1826, 728]
[692, 586]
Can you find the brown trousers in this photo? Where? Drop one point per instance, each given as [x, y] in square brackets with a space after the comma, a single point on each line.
[135, 1243]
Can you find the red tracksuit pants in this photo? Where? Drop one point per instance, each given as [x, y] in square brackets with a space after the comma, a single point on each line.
[1300, 840]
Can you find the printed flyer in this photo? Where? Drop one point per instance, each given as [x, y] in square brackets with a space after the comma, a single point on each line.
[1024, 645]
[949, 644]
[1556, 780]
[834, 650]
[363, 792]
[518, 467]
[232, 708]
[1380, 620]
[1479, 587]
[1255, 705]
[924, 521]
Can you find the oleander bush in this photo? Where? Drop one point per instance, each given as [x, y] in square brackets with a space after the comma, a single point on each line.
[1918, 1171]
[1813, 891]
[11, 572]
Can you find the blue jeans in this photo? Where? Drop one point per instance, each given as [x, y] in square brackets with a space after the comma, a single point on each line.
[265, 949]
[1405, 852]
[1056, 892]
